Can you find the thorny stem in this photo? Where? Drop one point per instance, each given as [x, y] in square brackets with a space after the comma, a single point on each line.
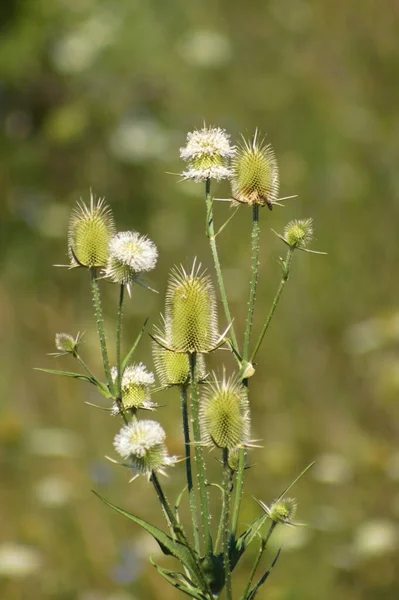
[262, 548]
[203, 492]
[286, 265]
[239, 492]
[210, 232]
[227, 481]
[84, 365]
[100, 325]
[177, 529]
[189, 475]
[118, 383]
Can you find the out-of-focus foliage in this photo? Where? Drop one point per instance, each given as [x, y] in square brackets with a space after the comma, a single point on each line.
[99, 94]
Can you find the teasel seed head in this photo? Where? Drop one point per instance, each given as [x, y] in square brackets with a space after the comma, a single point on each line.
[136, 387]
[224, 413]
[173, 368]
[142, 443]
[190, 311]
[207, 153]
[66, 343]
[129, 254]
[90, 230]
[299, 233]
[281, 511]
[255, 178]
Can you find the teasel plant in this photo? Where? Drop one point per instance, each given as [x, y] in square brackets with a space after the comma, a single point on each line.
[215, 406]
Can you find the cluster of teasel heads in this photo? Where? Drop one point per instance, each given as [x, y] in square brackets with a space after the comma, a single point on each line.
[215, 406]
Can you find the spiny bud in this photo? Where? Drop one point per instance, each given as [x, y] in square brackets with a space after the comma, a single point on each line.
[66, 343]
[143, 444]
[224, 413]
[190, 311]
[299, 233]
[129, 253]
[255, 178]
[281, 511]
[90, 231]
[207, 151]
[136, 387]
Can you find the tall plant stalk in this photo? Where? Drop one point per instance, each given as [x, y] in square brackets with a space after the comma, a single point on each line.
[100, 325]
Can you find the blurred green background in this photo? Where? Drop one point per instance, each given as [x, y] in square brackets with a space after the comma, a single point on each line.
[100, 94]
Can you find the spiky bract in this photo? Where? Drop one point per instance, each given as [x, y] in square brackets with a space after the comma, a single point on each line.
[207, 152]
[255, 178]
[142, 443]
[90, 231]
[299, 233]
[224, 413]
[281, 511]
[129, 253]
[136, 387]
[173, 368]
[190, 311]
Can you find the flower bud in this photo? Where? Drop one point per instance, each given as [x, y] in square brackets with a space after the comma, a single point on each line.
[90, 231]
[190, 309]
[66, 344]
[255, 178]
[207, 152]
[224, 414]
[281, 511]
[142, 443]
[136, 387]
[129, 253]
[299, 233]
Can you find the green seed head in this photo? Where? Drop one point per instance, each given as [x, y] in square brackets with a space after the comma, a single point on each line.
[255, 177]
[90, 231]
[136, 387]
[190, 309]
[283, 511]
[173, 368]
[299, 233]
[225, 418]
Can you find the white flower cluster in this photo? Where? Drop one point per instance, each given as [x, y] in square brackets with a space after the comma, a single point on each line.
[207, 152]
[135, 384]
[130, 253]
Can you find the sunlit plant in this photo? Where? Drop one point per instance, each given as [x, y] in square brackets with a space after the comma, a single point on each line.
[215, 407]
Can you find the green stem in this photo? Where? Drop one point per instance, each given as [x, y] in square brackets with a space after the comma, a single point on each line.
[199, 457]
[100, 326]
[262, 548]
[286, 265]
[180, 535]
[254, 280]
[85, 366]
[227, 480]
[210, 232]
[189, 475]
[118, 382]
[239, 492]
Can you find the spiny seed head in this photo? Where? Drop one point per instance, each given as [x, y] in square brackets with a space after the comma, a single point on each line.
[299, 233]
[136, 387]
[190, 311]
[173, 368]
[90, 231]
[281, 511]
[66, 343]
[129, 253]
[207, 152]
[255, 178]
[224, 413]
[143, 444]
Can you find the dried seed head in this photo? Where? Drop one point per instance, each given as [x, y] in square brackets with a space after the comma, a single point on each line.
[190, 311]
[136, 387]
[129, 253]
[224, 413]
[173, 368]
[255, 178]
[90, 231]
[143, 444]
[281, 511]
[207, 152]
[299, 233]
[66, 343]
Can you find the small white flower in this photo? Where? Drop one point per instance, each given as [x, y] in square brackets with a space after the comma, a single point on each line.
[208, 142]
[136, 388]
[207, 152]
[130, 253]
[143, 444]
[138, 375]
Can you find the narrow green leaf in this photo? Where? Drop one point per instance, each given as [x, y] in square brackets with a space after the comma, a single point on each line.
[179, 581]
[245, 539]
[69, 374]
[166, 543]
[133, 348]
[262, 580]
